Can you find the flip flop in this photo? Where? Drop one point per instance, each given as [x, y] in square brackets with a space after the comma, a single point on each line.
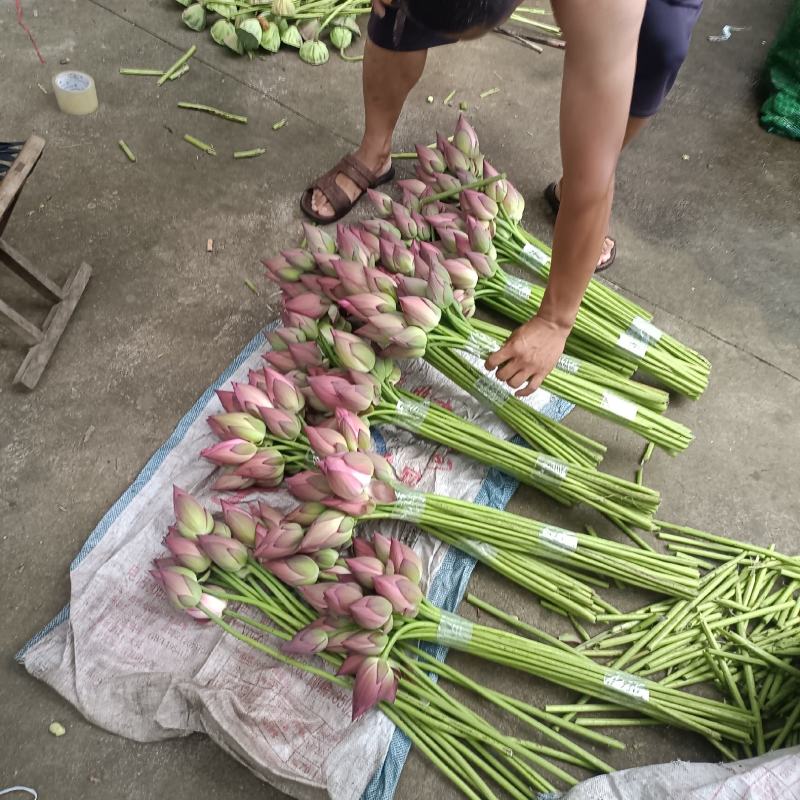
[354, 169]
[551, 197]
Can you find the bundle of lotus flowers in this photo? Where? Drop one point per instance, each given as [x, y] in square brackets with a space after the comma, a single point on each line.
[301, 25]
[609, 329]
[367, 606]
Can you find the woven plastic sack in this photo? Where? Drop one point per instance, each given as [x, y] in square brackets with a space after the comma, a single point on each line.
[781, 111]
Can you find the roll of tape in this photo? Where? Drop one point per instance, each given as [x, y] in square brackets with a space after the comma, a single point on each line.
[75, 92]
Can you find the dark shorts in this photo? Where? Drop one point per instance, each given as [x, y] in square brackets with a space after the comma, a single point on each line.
[663, 44]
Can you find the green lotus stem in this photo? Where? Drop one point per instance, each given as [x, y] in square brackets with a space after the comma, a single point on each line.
[449, 97]
[479, 184]
[489, 93]
[279, 124]
[206, 148]
[616, 722]
[214, 111]
[256, 151]
[346, 57]
[178, 72]
[128, 152]
[178, 64]
[153, 73]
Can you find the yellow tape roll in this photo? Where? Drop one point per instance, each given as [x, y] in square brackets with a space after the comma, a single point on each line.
[75, 92]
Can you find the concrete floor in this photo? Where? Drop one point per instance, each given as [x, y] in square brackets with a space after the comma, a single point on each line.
[709, 242]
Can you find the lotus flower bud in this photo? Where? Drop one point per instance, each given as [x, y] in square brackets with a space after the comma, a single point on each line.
[341, 38]
[284, 8]
[375, 682]
[305, 513]
[341, 596]
[479, 239]
[221, 529]
[353, 430]
[331, 529]
[191, 518]
[308, 304]
[382, 546]
[467, 303]
[232, 451]
[350, 246]
[228, 481]
[424, 230]
[282, 425]
[461, 273]
[406, 561]
[371, 612]
[325, 442]
[412, 338]
[314, 52]
[282, 391]
[484, 266]
[250, 398]
[456, 161]
[497, 190]
[228, 400]
[364, 569]
[307, 641]
[347, 481]
[271, 37]
[227, 554]
[361, 547]
[404, 595]
[413, 287]
[430, 254]
[220, 29]
[295, 570]
[405, 224]
[279, 269]
[365, 643]
[317, 240]
[186, 552]
[281, 360]
[249, 33]
[338, 572]
[278, 542]
[265, 468]
[239, 425]
[314, 595]
[366, 305]
[382, 202]
[241, 524]
[209, 607]
[440, 286]
[291, 36]
[513, 203]
[421, 312]
[281, 338]
[325, 558]
[353, 352]
[194, 17]
[308, 486]
[430, 159]
[306, 324]
[465, 138]
[477, 204]
[180, 584]
[382, 327]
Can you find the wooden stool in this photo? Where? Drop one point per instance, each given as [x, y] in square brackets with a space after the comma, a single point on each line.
[43, 340]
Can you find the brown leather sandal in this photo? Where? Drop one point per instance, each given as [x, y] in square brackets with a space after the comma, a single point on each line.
[354, 169]
[552, 199]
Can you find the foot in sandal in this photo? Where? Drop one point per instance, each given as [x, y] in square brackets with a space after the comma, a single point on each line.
[552, 194]
[335, 193]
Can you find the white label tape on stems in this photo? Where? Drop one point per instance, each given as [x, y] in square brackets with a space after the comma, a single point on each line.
[480, 550]
[569, 364]
[559, 539]
[408, 505]
[480, 344]
[517, 289]
[75, 92]
[626, 684]
[551, 468]
[534, 256]
[645, 330]
[618, 406]
[411, 414]
[453, 631]
[632, 345]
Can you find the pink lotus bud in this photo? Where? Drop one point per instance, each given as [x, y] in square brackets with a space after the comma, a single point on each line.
[279, 269]
[364, 569]
[497, 190]
[361, 547]
[277, 542]
[370, 241]
[421, 312]
[413, 340]
[371, 612]
[228, 400]
[382, 546]
[180, 585]
[281, 424]
[266, 468]
[465, 138]
[306, 355]
[232, 451]
[314, 595]
[366, 643]
[282, 391]
[351, 665]
[186, 552]
[250, 398]
[281, 337]
[467, 303]
[440, 286]
[228, 481]
[221, 529]
[326, 263]
[351, 247]
[403, 594]
[325, 442]
[479, 239]
[305, 513]
[331, 529]
[382, 202]
[242, 525]
[209, 607]
[294, 571]
[409, 201]
[406, 561]
[382, 327]
[461, 273]
[301, 259]
[306, 324]
[347, 481]
[413, 287]
[325, 558]
[513, 203]
[414, 187]
[266, 513]
[477, 204]
[430, 254]
[191, 518]
[353, 352]
[453, 157]
[402, 219]
[307, 642]
[255, 377]
[323, 388]
[353, 277]
[290, 290]
[317, 240]
[424, 229]
[281, 360]
[382, 283]
[364, 306]
[309, 305]
[355, 508]
[227, 554]
[308, 486]
[338, 572]
[375, 682]
[430, 159]
[482, 265]
[453, 240]
[341, 596]
[353, 429]
[354, 398]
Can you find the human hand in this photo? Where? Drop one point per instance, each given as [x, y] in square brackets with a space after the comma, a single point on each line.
[529, 354]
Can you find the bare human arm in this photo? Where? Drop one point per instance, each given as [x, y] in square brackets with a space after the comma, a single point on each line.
[599, 65]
